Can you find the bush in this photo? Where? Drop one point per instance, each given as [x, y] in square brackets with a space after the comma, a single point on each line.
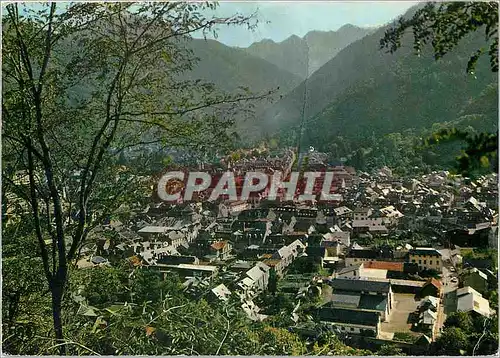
[404, 337]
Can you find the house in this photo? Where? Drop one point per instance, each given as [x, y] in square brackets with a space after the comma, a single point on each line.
[427, 319]
[469, 300]
[348, 272]
[221, 249]
[343, 237]
[385, 265]
[252, 311]
[350, 321]
[239, 266]
[370, 225]
[221, 292]
[429, 303]
[361, 213]
[276, 265]
[235, 207]
[361, 286]
[149, 231]
[474, 278]
[426, 258]
[371, 270]
[342, 211]
[296, 248]
[164, 258]
[356, 256]
[317, 253]
[359, 254]
[284, 254]
[482, 264]
[99, 260]
[188, 270]
[333, 248]
[361, 301]
[379, 269]
[431, 288]
[259, 278]
[492, 278]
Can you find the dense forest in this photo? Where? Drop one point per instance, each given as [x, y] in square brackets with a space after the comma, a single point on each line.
[376, 108]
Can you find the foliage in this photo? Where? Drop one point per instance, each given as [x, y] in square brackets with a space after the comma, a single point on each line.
[460, 320]
[273, 282]
[274, 304]
[137, 313]
[492, 297]
[404, 337]
[430, 273]
[483, 254]
[330, 344]
[304, 265]
[467, 333]
[445, 25]
[453, 341]
[480, 155]
[82, 84]
[390, 350]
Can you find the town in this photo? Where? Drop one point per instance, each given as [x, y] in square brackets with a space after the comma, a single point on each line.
[386, 260]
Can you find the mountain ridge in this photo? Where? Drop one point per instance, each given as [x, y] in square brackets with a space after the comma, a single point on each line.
[364, 90]
[229, 68]
[304, 55]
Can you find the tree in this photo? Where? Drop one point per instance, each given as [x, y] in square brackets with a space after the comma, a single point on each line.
[273, 282]
[330, 344]
[390, 350]
[460, 320]
[81, 83]
[443, 26]
[493, 298]
[453, 341]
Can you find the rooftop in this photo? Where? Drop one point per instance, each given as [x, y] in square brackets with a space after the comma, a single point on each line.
[355, 285]
[155, 229]
[424, 251]
[339, 299]
[384, 265]
[347, 316]
[370, 302]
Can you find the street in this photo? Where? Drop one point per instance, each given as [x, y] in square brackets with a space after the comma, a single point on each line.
[448, 286]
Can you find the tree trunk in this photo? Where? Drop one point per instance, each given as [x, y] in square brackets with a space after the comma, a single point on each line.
[57, 293]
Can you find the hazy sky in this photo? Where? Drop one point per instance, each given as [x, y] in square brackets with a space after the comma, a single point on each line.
[299, 17]
[279, 20]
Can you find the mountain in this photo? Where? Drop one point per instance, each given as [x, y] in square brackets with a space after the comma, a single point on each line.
[303, 56]
[229, 68]
[364, 91]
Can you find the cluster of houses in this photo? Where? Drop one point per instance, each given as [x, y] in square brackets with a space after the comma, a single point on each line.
[235, 249]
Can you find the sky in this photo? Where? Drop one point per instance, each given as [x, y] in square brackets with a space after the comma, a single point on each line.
[280, 20]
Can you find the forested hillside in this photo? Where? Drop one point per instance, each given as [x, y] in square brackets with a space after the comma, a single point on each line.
[364, 94]
[230, 68]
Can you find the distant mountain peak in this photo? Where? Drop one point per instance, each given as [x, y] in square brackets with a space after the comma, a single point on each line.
[293, 38]
[315, 48]
[348, 27]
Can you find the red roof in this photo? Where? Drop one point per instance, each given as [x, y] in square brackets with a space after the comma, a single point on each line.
[384, 265]
[134, 260]
[219, 245]
[434, 282]
[271, 262]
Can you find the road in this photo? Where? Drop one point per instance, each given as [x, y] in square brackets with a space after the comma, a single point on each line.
[448, 286]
